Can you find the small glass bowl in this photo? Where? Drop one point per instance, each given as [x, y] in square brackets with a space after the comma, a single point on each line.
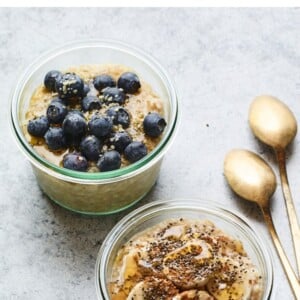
[158, 211]
[106, 192]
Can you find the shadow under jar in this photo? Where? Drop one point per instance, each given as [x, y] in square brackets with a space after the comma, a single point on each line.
[101, 192]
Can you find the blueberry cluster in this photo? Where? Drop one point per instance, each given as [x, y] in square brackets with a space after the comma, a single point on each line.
[103, 138]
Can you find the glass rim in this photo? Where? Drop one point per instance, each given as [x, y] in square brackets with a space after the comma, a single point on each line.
[76, 176]
[161, 207]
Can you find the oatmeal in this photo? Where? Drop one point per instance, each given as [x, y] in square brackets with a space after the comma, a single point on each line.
[94, 118]
[181, 259]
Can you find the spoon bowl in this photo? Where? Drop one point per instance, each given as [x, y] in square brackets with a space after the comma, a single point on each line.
[249, 176]
[272, 121]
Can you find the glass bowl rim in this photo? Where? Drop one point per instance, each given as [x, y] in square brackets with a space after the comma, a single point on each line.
[98, 177]
[162, 207]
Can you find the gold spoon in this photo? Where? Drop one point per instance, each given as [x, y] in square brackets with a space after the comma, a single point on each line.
[251, 178]
[274, 124]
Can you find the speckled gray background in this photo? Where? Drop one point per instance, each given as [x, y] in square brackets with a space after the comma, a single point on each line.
[219, 59]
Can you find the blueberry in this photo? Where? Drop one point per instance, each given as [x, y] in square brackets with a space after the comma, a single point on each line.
[75, 161]
[113, 95]
[100, 126]
[50, 80]
[120, 140]
[103, 81]
[76, 112]
[55, 138]
[69, 86]
[110, 160]
[90, 147]
[90, 103]
[74, 125]
[112, 112]
[129, 82]
[38, 126]
[135, 151]
[57, 99]
[86, 90]
[56, 112]
[154, 124]
[73, 141]
[119, 115]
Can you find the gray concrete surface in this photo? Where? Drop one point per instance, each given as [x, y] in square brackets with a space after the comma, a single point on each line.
[220, 59]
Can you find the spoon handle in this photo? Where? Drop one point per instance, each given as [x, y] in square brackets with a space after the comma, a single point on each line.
[291, 211]
[294, 283]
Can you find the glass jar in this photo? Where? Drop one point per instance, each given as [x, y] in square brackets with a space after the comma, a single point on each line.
[191, 209]
[103, 192]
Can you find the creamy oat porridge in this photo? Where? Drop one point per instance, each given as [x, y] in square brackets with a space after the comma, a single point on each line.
[181, 259]
[94, 118]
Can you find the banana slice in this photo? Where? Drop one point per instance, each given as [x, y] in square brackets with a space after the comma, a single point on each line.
[129, 267]
[193, 295]
[137, 293]
[128, 273]
[174, 232]
[153, 288]
[237, 280]
[230, 247]
[191, 265]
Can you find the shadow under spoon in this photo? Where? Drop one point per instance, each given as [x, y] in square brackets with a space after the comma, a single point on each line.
[252, 179]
